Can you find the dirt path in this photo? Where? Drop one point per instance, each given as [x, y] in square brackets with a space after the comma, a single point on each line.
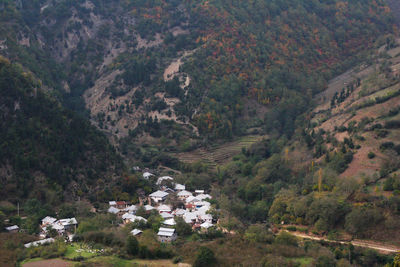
[357, 243]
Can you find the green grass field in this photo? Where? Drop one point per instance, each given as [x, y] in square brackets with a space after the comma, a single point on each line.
[80, 250]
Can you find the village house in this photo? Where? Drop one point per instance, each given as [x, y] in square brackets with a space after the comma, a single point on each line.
[198, 192]
[128, 218]
[166, 235]
[159, 196]
[12, 229]
[113, 210]
[164, 208]
[112, 204]
[62, 226]
[121, 205]
[169, 222]
[164, 178]
[206, 225]
[203, 196]
[131, 209]
[167, 190]
[148, 208]
[136, 232]
[183, 195]
[40, 242]
[48, 220]
[166, 215]
[191, 200]
[147, 175]
[179, 212]
[69, 224]
[179, 187]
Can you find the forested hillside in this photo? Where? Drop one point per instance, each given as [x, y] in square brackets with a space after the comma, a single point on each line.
[244, 56]
[44, 148]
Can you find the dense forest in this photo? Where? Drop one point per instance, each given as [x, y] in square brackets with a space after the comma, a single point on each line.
[44, 145]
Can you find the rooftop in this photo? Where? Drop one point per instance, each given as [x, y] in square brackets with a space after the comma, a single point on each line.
[159, 194]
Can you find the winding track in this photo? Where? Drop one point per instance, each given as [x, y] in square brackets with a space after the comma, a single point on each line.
[357, 243]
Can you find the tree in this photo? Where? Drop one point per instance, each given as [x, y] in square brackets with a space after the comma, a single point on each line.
[205, 257]
[325, 261]
[284, 238]
[132, 246]
[396, 261]
[182, 228]
[360, 219]
[2, 217]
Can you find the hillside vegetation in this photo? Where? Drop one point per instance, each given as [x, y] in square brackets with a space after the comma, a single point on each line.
[45, 148]
[115, 53]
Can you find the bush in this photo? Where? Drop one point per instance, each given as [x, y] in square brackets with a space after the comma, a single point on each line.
[205, 257]
[386, 145]
[291, 228]
[371, 155]
[176, 259]
[284, 238]
[394, 124]
[132, 246]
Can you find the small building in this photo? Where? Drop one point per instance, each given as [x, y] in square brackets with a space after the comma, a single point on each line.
[206, 225]
[164, 208]
[164, 178]
[166, 215]
[121, 205]
[112, 203]
[202, 204]
[113, 210]
[40, 242]
[148, 208]
[131, 209]
[12, 229]
[198, 192]
[158, 196]
[203, 197]
[167, 190]
[179, 212]
[169, 222]
[147, 175]
[183, 195]
[191, 200]
[180, 187]
[136, 232]
[190, 217]
[69, 224]
[166, 235]
[48, 220]
[127, 218]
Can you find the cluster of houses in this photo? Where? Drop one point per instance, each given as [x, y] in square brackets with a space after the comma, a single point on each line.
[194, 211]
[62, 227]
[66, 227]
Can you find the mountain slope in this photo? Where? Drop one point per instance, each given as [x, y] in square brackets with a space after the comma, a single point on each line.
[236, 53]
[45, 147]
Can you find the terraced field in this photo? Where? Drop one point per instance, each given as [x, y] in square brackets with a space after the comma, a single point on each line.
[220, 154]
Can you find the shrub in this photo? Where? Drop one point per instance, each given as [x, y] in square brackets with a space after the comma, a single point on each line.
[394, 124]
[371, 155]
[205, 257]
[386, 145]
[132, 246]
[284, 238]
[291, 228]
[176, 259]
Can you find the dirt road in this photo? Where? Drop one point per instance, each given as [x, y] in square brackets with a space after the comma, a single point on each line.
[386, 249]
